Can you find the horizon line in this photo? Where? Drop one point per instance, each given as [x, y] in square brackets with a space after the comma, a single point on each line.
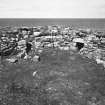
[51, 18]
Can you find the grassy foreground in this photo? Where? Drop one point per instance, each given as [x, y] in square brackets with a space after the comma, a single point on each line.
[60, 78]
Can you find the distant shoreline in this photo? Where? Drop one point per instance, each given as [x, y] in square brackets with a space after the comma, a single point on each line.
[93, 23]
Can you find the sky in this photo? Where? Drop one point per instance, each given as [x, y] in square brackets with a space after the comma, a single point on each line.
[52, 8]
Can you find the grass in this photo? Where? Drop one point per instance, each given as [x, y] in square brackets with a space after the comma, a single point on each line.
[62, 78]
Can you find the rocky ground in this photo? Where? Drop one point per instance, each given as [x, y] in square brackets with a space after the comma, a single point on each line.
[60, 78]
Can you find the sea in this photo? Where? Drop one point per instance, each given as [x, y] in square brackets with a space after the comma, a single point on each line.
[97, 24]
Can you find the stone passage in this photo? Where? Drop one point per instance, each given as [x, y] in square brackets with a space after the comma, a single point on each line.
[79, 45]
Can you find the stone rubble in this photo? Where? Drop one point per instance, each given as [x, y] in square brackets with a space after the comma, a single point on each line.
[29, 42]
